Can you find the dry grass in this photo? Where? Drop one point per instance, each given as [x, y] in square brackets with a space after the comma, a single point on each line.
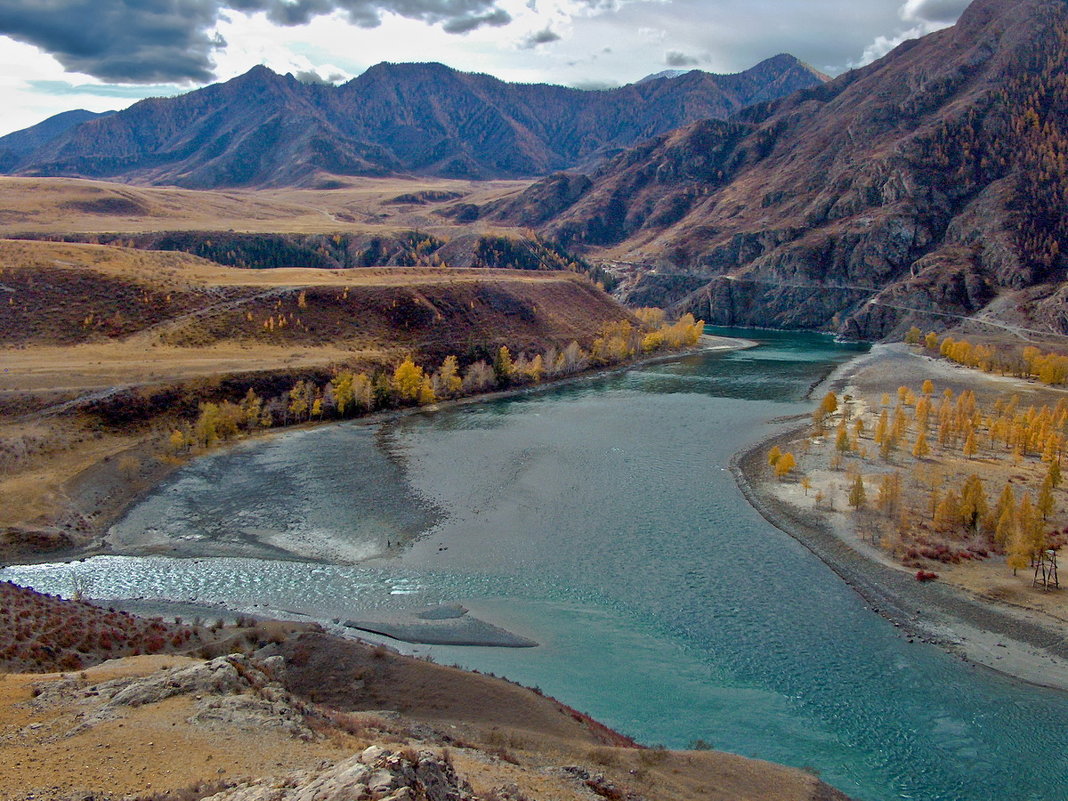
[57, 205]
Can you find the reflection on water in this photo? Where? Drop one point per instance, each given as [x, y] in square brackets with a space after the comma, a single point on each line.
[600, 520]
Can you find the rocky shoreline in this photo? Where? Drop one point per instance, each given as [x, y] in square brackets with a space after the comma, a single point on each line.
[1009, 640]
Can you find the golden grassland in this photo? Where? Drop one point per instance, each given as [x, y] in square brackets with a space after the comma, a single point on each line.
[67, 205]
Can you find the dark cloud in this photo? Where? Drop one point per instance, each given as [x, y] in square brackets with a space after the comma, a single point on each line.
[465, 23]
[673, 58]
[544, 36]
[159, 41]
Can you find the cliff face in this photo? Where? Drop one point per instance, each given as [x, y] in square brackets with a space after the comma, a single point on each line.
[925, 184]
[268, 129]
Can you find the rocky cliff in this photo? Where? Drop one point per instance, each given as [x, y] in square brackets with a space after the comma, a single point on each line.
[925, 185]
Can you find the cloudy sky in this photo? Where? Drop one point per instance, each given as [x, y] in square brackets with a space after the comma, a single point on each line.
[57, 55]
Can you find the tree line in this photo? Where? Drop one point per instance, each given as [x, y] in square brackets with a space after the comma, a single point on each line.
[351, 394]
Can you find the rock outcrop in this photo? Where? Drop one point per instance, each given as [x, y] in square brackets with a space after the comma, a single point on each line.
[916, 189]
[376, 774]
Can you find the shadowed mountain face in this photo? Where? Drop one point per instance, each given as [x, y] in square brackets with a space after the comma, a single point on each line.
[17, 146]
[934, 179]
[268, 129]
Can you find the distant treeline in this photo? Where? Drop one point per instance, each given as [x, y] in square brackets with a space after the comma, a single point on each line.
[344, 251]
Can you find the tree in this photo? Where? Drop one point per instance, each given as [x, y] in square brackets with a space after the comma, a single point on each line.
[177, 441]
[408, 380]
[970, 446]
[1054, 472]
[344, 392]
[973, 504]
[1029, 526]
[882, 428]
[426, 392]
[1045, 503]
[774, 455]
[947, 515]
[928, 387]
[785, 465]
[842, 442]
[931, 341]
[503, 366]
[1005, 512]
[806, 484]
[857, 496]
[447, 380]
[913, 336]
[921, 449]
[829, 404]
[206, 426]
[889, 498]
[251, 408]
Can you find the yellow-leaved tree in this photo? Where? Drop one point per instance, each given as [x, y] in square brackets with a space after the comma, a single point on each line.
[408, 380]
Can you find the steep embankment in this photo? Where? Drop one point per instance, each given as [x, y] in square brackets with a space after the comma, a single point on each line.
[933, 179]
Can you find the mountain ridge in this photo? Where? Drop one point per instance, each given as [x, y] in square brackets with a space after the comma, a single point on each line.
[262, 128]
[930, 180]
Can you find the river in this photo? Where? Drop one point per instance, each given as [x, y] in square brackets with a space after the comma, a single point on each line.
[601, 520]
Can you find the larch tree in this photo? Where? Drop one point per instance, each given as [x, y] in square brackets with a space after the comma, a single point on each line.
[1006, 519]
[857, 495]
[785, 465]
[947, 516]
[889, 493]
[448, 382]
[921, 449]
[1045, 502]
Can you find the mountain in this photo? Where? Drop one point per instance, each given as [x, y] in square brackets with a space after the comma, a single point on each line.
[18, 145]
[267, 129]
[931, 182]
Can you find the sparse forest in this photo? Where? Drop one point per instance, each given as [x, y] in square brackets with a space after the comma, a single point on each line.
[933, 478]
[351, 394]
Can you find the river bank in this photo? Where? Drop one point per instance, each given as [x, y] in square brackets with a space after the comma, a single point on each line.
[101, 494]
[1020, 642]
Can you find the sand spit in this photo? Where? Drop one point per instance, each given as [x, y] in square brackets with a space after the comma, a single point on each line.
[1015, 641]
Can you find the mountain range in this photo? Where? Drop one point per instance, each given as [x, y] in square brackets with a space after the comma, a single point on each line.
[265, 129]
[930, 184]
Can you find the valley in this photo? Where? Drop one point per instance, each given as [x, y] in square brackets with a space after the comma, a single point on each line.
[730, 406]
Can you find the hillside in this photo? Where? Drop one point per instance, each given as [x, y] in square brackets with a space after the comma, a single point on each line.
[933, 180]
[264, 129]
[261, 709]
[107, 349]
[14, 147]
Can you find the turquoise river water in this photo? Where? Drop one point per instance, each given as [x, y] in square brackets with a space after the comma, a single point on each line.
[601, 520]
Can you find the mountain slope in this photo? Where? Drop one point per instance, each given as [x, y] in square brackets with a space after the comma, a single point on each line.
[934, 179]
[263, 128]
[18, 145]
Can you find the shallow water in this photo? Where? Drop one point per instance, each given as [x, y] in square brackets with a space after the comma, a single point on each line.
[601, 520]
